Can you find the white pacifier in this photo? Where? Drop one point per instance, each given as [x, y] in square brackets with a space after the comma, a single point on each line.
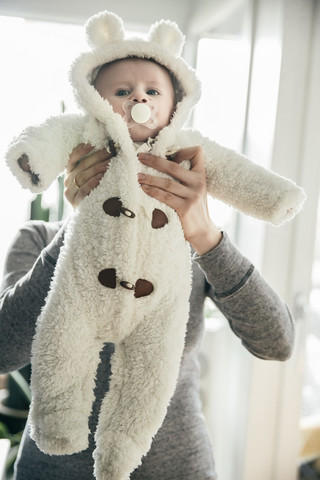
[140, 114]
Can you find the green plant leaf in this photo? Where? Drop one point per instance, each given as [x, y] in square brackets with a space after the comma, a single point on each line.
[22, 384]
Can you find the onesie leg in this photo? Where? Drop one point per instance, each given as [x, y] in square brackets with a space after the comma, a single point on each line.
[65, 360]
[145, 367]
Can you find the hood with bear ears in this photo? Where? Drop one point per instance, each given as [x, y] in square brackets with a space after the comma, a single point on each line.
[106, 37]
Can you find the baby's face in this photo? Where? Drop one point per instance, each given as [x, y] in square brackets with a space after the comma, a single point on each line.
[139, 81]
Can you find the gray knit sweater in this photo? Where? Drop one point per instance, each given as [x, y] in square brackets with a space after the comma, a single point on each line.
[181, 449]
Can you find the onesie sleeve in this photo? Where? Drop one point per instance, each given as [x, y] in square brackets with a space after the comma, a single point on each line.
[28, 270]
[256, 314]
[46, 147]
[250, 188]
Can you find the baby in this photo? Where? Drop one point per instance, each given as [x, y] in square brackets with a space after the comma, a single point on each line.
[133, 81]
[123, 275]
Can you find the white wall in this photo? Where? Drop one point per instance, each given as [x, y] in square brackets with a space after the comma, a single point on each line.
[137, 14]
[274, 411]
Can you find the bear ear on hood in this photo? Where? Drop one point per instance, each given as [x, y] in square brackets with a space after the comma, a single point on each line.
[104, 28]
[168, 35]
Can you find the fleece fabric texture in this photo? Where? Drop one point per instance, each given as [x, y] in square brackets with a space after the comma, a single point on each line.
[119, 279]
[181, 449]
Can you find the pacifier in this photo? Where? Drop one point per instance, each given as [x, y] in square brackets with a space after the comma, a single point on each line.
[140, 114]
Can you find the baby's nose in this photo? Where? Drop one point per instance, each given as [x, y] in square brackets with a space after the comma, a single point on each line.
[140, 97]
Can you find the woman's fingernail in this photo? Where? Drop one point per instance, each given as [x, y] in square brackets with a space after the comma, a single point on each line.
[141, 176]
[143, 155]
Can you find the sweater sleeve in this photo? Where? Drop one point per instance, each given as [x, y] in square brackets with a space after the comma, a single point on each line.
[27, 275]
[256, 314]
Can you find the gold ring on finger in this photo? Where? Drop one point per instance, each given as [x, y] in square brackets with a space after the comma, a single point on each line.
[75, 183]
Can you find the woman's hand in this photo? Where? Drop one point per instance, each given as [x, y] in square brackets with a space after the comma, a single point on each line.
[186, 193]
[84, 172]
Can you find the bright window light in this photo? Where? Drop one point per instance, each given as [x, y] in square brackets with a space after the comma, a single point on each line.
[223, 68]
[35, 58]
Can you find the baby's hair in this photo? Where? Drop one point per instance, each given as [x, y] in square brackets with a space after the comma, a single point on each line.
[178, 91]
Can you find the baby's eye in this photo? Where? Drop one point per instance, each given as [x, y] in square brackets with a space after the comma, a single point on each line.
[152, 92]
[122, 93]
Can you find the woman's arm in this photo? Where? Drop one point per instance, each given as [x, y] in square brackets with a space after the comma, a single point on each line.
[28, 271]
[255, 312]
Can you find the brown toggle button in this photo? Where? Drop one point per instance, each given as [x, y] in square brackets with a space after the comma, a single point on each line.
[143, 288]
[127, 285]
[159, 218]
[127, 212]
[113, 206]
[107, 277]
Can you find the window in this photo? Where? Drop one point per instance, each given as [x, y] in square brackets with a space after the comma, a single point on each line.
[34, 83]
[223, 67]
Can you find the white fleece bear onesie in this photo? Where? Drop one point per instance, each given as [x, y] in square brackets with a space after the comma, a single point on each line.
[123, 275]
